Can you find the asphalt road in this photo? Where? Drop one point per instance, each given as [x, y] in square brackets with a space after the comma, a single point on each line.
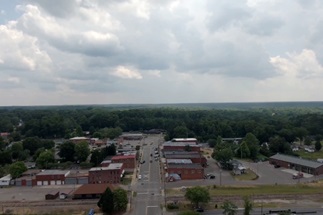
[149, 188]
[261, 211]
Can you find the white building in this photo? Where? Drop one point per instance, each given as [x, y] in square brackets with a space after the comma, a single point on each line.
[5, 181]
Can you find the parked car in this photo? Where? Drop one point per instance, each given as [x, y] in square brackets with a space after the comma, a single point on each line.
[199, 209]
[210, 176]
[142, 162]
[298, 175]
[139, 177]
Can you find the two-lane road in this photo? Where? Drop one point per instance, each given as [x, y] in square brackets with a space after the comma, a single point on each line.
[149, 196]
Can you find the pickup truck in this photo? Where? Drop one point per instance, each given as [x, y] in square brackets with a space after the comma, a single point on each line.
[298, 175]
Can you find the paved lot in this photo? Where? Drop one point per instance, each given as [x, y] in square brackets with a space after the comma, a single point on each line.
[267, 175]
[37, 193]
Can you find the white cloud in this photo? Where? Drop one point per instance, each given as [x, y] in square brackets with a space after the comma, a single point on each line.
[302, 65]
[126, 73]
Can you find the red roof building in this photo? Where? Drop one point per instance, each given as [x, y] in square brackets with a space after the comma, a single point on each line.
[91, 191]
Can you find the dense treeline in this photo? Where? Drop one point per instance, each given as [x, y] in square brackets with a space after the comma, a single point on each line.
[203, 124]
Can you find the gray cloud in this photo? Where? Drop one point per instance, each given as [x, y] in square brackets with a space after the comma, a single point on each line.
[140, 49]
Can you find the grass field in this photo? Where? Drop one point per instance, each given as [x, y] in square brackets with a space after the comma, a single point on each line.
[258, 190]
[247, 176]
[309, 155]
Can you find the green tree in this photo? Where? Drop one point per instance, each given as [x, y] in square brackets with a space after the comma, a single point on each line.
[16, 169]
[46, 157]
[248, 206]
[37, 153]
[5, 157]
[111, 150]
[120, 199]
[181, 131]
[96, 157]
[2, 144]
[229, 208]
[243, 151]
[197, 195]
[279, 145]
[16, 150]
[211, 142]
[47, 144]
[82, 151]
[253, 145]
[307, 141]
[106, 202]
[67, 151]
[318, 145]
[223, 156]
[32, 144]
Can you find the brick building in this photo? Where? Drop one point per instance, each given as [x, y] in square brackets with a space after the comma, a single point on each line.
[186, 171]
[299, 164]
[51, 177]
[129, 161]
[92, 191]
[27, 178]
[180, 146]
[194, 156]
[185, 140]
[111, 174]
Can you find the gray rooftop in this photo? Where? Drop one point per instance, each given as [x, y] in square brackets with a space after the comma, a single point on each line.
[181, 153]
[296, 160]
[185, 166]
[111, 166]
[179, 161]
[179, 144]
[54, 172]
[181, 156]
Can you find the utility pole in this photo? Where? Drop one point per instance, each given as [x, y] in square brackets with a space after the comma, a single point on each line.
[220, 177]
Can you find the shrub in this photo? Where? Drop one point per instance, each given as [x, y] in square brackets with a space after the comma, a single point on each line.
[172, 206]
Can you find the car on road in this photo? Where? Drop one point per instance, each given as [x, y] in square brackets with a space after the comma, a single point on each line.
[210, 176]
[142, 162]
[139, 177]
[199, 209]
[298, 175]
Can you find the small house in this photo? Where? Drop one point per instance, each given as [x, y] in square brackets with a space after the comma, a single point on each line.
[5, 181]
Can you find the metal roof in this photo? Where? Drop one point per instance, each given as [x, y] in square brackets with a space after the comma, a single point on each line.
[179, 161]
[112, 166]
[182, 156]
[87, 189]
[297, 160]
[54, 172]
[184, 166]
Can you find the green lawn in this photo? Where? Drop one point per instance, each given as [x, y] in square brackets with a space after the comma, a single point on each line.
[126, 181]
[310, 155]
[256, 190]
[247, 176]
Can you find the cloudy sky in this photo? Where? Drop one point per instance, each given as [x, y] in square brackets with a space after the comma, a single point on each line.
[160, 51]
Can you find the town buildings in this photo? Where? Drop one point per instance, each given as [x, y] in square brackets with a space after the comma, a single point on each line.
[111, 174]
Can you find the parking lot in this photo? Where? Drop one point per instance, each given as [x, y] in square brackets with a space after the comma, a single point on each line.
[36, 193]
[267, 174]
